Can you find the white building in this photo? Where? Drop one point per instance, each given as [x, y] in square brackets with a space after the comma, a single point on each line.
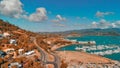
[20, 51]
[6, 34]
[29, 52]
[9, 50]
[13, 41]
[14, 64]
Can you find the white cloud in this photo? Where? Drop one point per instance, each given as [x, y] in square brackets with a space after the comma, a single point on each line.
[59, 19]
[59, 25]
[12, 8]
[117, 24]
[103, 24]
[114, 25]
[82, 18]
[102, 14]
[38, 16]
[94, 24]
[55, 21]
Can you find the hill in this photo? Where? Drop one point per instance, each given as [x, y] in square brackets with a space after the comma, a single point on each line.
[89, 32]
[34, 46]
[14, 38]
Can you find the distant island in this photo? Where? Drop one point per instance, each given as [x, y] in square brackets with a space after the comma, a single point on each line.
[89, 32]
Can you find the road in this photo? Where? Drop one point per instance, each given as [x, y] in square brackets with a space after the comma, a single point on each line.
[44, 57]
[40, 50]
[56, 61]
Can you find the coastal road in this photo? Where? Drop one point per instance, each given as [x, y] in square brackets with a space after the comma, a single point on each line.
[56, 61]
[40, 50]
[44, 57]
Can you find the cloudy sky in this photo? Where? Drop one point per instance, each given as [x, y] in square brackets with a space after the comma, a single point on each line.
[61, 15]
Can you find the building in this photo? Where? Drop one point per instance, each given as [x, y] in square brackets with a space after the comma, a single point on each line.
[9, 50]
[21, 51]
[15, 64]
[29, 52]
[13, 41]
[6, 34]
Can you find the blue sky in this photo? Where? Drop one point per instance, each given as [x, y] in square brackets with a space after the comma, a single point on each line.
[61, 15]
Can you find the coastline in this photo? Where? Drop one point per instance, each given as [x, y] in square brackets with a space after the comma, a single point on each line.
[82, 56]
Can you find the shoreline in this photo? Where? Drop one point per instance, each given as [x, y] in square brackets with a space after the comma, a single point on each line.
[82, 56]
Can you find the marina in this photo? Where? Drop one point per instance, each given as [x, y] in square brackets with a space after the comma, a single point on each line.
[99, 50]
[107, 46]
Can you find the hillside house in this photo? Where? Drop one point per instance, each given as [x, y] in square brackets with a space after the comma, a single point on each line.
[6, 34]
[9, 50]
[13, 41]
[18, 65]
[29, 52]
[21, 51]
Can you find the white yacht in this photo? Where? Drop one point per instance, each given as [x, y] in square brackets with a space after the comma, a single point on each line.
[100, 47]
[93, 48]
[108, 52]
[101, 53]
[80, 49]
[116, 51]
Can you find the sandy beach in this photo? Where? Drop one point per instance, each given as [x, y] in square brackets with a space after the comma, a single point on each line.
[73, 56]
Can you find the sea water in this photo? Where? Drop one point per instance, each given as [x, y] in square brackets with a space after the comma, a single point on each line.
[108, 41]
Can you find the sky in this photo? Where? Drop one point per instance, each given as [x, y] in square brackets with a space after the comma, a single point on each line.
[61, 15]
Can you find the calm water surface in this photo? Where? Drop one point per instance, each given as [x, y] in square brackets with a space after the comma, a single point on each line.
[100, 40]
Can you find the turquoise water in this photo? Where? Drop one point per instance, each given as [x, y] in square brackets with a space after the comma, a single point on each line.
[100, 40]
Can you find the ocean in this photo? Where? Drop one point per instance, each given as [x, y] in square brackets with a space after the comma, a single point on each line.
[110, 45]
